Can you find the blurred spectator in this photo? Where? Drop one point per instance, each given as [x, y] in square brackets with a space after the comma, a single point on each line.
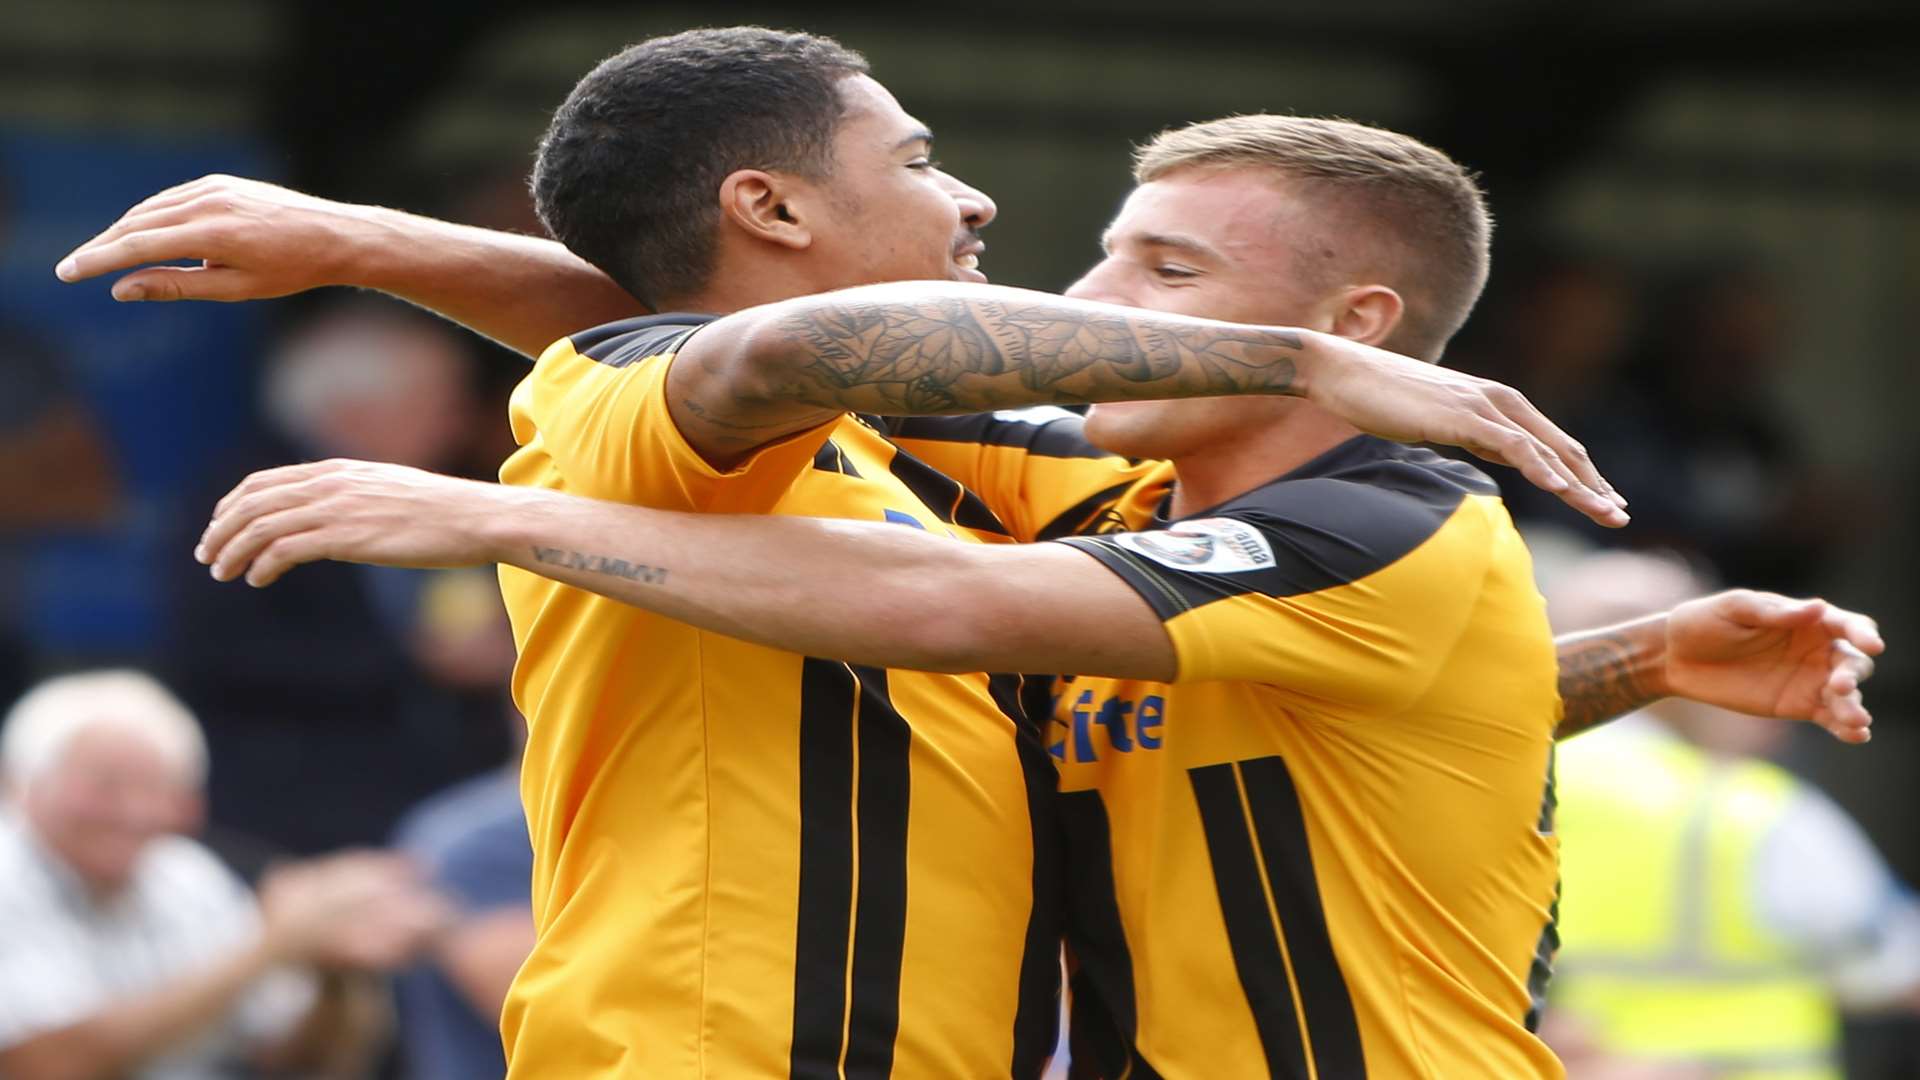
[473, 841]
[350, 688]
[56, 470]
[1561, 328]
[128, 950]
[1716, 912]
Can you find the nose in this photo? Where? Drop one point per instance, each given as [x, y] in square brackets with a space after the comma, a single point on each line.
[976, 209]
[1099, 284]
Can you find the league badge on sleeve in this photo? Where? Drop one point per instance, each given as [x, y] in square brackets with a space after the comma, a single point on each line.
[1203, 546]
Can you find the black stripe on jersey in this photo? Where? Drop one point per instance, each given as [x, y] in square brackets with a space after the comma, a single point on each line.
[880, 918]
[1059, 438]
[1378, 503]
[1076, 518]
[943, 495]
[835, 702]
[628, 341]
[1540, 968]
[1036, 1018]
[1105, 1014]
[1281, 829]
[1250, 930]
[828, 692]
[830, 458]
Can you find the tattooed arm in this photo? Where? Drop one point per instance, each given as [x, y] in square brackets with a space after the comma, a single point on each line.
[1751, 652]
[1608, 673]
[916, 348]
[925, 348]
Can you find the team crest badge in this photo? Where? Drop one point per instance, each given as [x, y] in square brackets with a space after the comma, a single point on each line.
[1204, 545]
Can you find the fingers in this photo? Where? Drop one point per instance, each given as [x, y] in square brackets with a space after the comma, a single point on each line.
[1857, 630]
[248, 551]
[1765, 610]
[268, 478]
[288, 551]
[1850, 664]
[1842, 710]
[1747, 607]
[188, 283]
[1500, 440]
[176, 205]
[1579, 464]
[261, 493]
[164, 243]
[252, 526]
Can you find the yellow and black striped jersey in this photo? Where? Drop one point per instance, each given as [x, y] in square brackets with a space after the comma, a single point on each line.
[1036, 472]
[1322, 850]
[750, 862]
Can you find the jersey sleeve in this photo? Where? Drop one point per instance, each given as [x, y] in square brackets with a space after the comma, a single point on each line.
[1032, 467]
[1337, 591]
[592, 419]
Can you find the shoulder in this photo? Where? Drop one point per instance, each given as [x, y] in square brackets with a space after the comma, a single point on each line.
[629, 341]
[1368, 489]
[1359, 509]
[25, 881]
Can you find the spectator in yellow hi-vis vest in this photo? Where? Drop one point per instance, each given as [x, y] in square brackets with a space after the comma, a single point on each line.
[1717, 913]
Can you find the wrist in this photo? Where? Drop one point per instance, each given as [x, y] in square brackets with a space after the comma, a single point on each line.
[510, 522]
[1316, 357]
[1651, 652]
[371, 247]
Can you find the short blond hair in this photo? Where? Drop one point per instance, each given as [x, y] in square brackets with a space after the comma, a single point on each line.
[1422, 206]
[41, 725]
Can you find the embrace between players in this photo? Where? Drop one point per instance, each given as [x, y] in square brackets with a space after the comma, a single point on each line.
[1269, 742]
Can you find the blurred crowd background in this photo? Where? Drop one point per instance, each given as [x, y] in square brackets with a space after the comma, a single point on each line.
[1707, 267]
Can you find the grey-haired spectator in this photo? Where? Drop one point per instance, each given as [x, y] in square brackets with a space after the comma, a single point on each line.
[129, 950]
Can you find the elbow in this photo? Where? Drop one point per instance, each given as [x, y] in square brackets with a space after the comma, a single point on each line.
[755, 368]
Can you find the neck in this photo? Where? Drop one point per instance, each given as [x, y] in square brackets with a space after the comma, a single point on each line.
[1234, 467]
[743, 279]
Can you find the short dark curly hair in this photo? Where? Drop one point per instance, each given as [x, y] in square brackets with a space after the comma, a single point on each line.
[629, 169]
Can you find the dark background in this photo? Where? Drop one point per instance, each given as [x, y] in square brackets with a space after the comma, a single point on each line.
[1707, 262]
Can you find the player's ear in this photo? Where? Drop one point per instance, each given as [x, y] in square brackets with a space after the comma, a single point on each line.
[1368, 314]
[766, 206]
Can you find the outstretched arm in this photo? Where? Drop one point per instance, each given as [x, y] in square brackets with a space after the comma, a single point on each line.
[747, 380]
[255, 240]
[1752, 652]
[787, 582]
[918, 348]
[864, 592]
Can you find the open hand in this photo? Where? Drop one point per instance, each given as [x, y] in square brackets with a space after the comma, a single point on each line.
[1406, 400]
[1768, 655]
[351, 511]
[253, 241]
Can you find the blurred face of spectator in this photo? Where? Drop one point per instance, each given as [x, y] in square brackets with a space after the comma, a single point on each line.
[1739, 328]
[1575, 327]
[368, 385]
[109, 794]
[1219, 244]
